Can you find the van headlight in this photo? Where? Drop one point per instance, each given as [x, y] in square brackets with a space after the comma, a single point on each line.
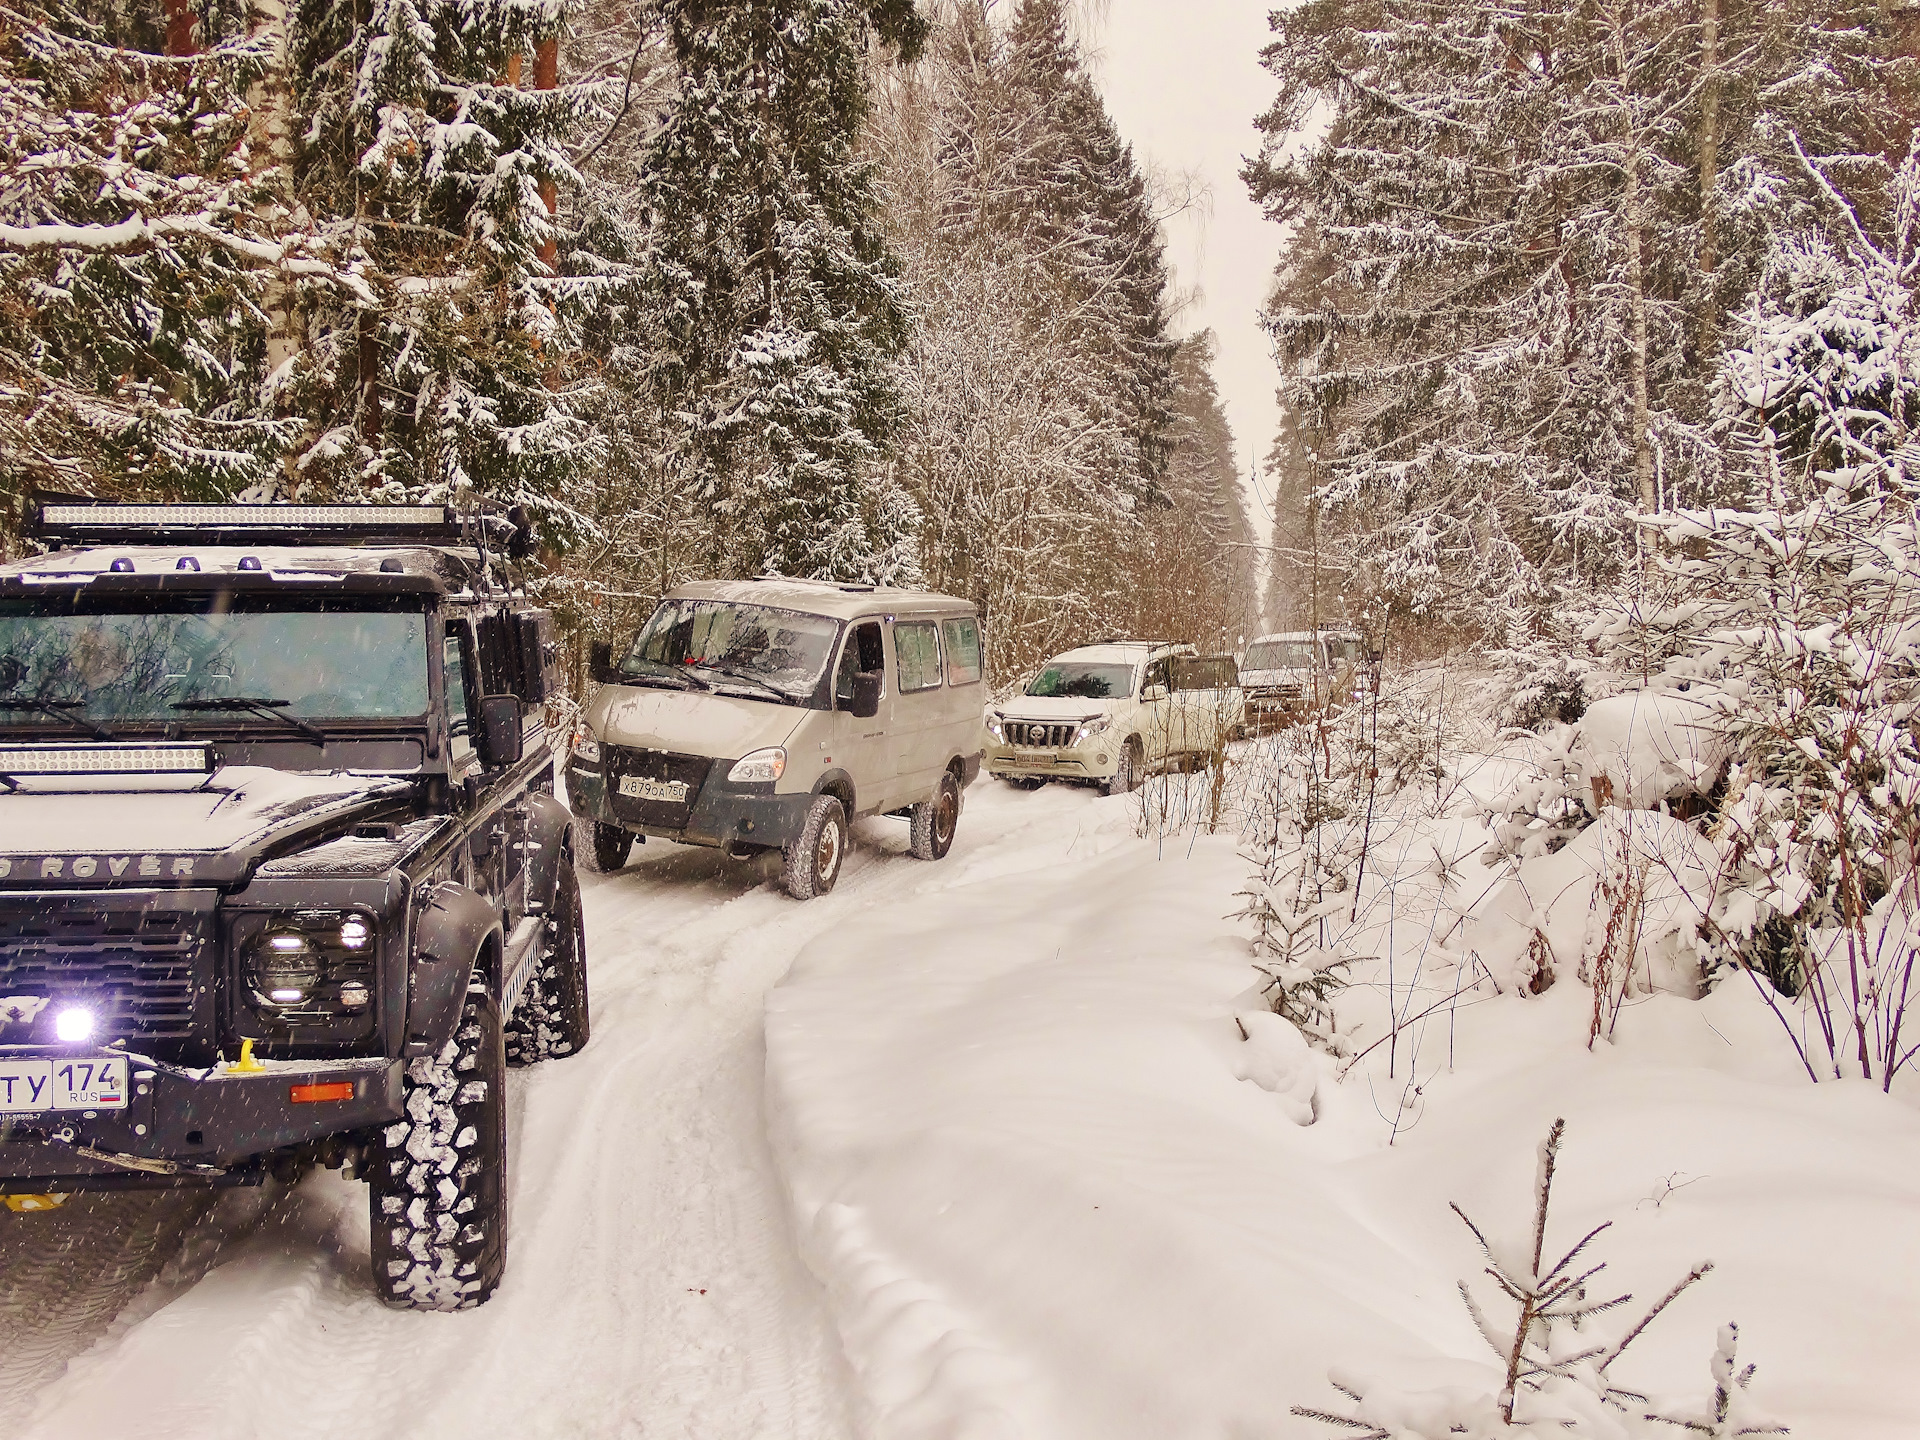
[762, 767]
[586, 749]
[996, 729]
[1090, 728]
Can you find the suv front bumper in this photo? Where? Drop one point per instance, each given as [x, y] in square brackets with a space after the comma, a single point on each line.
[185, 1126]
[1094, 759]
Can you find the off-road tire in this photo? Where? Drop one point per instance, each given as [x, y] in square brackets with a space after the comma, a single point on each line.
[935, 820]
[1126, 773]
[603, 849]
[1025, 782]
[437, 1187]
[813, 857]
[552, 1019]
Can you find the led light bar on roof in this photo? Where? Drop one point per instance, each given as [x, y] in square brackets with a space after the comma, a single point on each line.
[54, 515]
[105, 759]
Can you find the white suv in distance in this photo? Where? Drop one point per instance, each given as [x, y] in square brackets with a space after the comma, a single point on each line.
[1289, 672]
[1111, 713]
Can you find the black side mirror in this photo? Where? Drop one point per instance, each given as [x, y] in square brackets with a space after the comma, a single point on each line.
[521, 543]
[866, 695]
[501, 740]
[600, 663]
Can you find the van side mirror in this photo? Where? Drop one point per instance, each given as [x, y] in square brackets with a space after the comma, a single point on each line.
[501, 741]
[1152, 693]
[600, 663]
[866, 695]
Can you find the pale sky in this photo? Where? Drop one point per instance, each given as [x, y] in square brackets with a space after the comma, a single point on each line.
[1183, 81]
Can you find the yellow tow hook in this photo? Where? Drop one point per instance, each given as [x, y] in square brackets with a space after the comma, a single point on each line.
[246, 1064]
[29, 1204]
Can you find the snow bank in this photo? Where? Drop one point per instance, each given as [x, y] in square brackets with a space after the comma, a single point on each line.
[1651, 745]
[1649, 876]
[1044, 1205]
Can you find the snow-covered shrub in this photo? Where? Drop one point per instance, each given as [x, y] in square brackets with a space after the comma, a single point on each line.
[1729, 1413]
[1553, 1362]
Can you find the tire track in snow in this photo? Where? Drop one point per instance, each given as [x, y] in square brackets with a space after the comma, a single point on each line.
[641, 1177]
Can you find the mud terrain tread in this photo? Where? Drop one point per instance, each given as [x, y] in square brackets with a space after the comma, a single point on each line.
[438, 1191]
[553, 1019]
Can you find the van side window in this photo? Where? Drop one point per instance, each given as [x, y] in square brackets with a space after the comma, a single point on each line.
[916, 648]
[963, 651]
[863, 653]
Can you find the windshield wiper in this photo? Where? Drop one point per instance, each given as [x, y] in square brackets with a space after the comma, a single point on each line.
[733, 672]
[60, 710]
[254, 705]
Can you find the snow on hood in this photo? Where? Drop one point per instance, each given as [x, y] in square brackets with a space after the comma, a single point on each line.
[1295, 676]
[687, 723]
[233, 806]
[1055, 707]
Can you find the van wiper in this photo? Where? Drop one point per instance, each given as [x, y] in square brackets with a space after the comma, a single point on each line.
[254, 705]
[59, 710]
[733, 672]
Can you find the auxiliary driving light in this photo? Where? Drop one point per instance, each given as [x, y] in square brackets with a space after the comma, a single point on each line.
[355, 932]
[73, 1026]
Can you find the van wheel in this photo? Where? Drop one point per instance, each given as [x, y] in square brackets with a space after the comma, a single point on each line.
[437, 1190]
[813, 857]
[1126, 772]
[603, 849]
[934, 821]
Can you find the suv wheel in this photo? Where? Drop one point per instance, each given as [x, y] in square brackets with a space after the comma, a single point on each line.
[1127, 771]
[602, 848]
[438, 1185]
[552, 1019]
[934, 820]
[814, 856]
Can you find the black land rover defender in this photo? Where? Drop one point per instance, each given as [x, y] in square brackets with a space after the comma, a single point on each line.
[283, 881]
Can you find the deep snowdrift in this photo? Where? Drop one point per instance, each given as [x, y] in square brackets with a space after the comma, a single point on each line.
[1044, 1205]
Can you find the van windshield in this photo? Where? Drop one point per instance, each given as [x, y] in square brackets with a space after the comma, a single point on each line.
[777, 654]
[1083, 681]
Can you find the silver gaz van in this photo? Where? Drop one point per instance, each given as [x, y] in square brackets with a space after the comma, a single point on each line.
[759, 715]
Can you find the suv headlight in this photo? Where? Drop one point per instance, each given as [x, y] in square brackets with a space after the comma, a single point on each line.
[309, 969]
[1090, 728]
[996, 729]
[761, 767]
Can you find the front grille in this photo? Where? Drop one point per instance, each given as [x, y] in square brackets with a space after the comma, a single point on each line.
[139, 971]
[661, 765]
[1041, 733]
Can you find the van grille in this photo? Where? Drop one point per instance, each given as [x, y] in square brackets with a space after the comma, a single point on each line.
[655, 765]
[1038, 733]
[140, 971]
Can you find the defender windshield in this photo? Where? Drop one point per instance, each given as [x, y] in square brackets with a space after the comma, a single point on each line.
[318, 659]
[775, 654]
[1083, 680]
[1279, 655]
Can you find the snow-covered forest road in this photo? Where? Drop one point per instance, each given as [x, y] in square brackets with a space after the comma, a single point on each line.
[652, 1286]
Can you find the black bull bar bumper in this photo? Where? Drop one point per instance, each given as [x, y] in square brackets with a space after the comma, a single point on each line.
[188, 1127]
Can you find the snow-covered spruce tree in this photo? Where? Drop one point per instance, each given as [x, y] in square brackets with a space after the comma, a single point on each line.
[135, 255]
[420, 144]
[769, 312]
[1535, 221]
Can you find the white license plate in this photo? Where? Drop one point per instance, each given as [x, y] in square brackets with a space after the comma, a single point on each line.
[91, 1082]
[642, 788]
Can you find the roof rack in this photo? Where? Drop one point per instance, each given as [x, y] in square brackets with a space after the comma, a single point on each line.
[61, 519]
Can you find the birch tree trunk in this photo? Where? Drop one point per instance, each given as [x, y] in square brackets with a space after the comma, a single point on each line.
[1709, 128]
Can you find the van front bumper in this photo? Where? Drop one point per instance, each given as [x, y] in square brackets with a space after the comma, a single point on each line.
[185, 1127]
[725, 813]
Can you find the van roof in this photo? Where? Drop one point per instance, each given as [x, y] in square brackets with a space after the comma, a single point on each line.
[823, 597]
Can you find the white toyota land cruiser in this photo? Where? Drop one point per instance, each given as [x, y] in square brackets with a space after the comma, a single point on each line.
[1110, 714]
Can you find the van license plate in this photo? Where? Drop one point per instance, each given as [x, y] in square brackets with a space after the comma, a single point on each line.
[642, 788]
[91, 1083]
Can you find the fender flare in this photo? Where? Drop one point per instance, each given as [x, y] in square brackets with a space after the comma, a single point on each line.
[550, 836]
[451, 938]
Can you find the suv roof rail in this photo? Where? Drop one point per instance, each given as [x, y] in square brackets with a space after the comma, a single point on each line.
[68, 520]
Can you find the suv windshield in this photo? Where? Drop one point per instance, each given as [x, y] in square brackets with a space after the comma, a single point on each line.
[786, 650]
[1279, 655]
[1083, 680]
[324, 659]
